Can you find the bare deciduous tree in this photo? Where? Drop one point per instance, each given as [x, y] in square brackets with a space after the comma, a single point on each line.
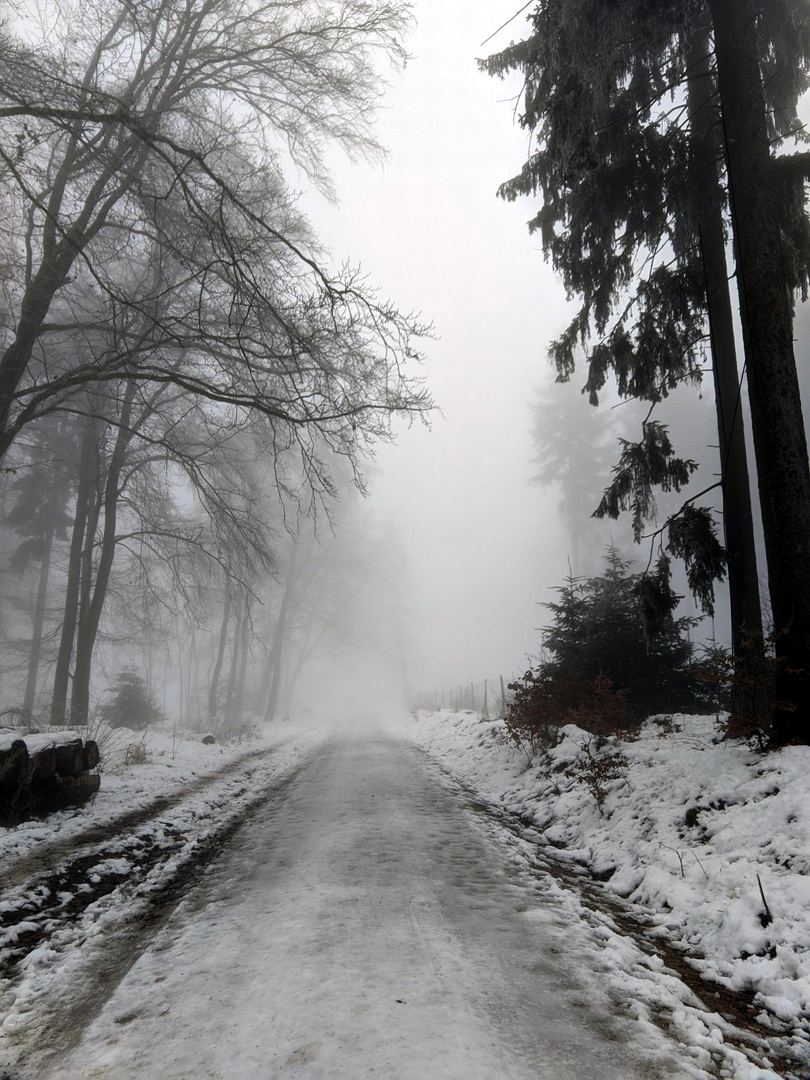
[152, 134]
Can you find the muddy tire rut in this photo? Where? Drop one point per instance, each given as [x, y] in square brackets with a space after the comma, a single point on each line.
[22, 869]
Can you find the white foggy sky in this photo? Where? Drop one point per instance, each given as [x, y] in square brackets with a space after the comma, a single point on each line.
[483, 545]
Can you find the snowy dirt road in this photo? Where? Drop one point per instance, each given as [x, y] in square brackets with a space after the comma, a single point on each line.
[367, 923]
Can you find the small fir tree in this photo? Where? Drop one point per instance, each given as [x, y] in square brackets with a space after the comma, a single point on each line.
[131, 705]
[612, 657]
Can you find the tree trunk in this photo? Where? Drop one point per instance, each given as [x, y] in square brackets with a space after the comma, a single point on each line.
[223, 641]
[277, 654]
[239, 688]
[738, 520]
[35, 306]
[767, 317]
[228, 713]
[305, 653]
[192, 689]
[39, 619]
[88, 627]
[87, 473]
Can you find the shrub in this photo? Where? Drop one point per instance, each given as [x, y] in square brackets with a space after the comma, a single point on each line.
[131, 705]
[547, 698]
[597, 769]
[137, 754]
[610, 660]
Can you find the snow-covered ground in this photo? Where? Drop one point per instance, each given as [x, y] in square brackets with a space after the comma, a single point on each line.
[73, 881]
[695, 829]
[360, 914]
[136, 768]
[373, 924]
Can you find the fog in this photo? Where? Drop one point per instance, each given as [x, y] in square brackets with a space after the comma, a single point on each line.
[474, 512]
[484, 546]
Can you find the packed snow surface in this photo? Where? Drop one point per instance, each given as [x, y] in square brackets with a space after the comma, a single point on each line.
[696, 829]
[370, 924]
[370, 918]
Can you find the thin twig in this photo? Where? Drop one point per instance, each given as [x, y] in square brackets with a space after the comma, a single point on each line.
[768, 916]
[510, 19]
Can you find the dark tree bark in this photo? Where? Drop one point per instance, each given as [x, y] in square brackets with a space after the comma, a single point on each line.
[229, 712]
[86, 488]
[91, 616]
[278, 651]
[236, 682]
[14, 361]
[767, 316]
[738, 518]
[215, 674]
[39, 619]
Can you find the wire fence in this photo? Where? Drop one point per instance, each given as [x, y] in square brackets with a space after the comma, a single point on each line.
[490, 697]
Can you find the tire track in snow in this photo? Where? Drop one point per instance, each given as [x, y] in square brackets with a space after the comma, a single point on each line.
[81, 940]
[23, 868]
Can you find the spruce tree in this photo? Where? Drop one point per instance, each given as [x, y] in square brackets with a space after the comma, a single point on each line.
[131, 704]
[599, 630]
[630, 106]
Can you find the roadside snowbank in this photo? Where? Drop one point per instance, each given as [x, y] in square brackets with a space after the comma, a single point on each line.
[689, 829]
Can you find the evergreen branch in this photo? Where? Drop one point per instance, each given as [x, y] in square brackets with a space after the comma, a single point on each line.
[792, 166]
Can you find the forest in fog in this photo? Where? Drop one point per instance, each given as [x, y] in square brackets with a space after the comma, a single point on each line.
[192, 384]
[188, 386]
[404, 539]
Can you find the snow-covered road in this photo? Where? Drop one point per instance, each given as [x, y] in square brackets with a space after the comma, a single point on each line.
[367, 924]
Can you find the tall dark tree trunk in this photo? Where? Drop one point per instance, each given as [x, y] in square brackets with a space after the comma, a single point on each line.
[15, 359]
[91, 616]
[192, 675]
[60, 249]
[238, 694]
[85, 490]
[767, 317]
[39, 620]
[738, 518]
[229, 712]
[305, 652]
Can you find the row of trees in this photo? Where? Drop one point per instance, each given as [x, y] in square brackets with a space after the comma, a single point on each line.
[184, 378]
[661, 131]
[219, 634]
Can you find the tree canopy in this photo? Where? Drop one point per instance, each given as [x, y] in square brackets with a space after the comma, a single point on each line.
[149, 215]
